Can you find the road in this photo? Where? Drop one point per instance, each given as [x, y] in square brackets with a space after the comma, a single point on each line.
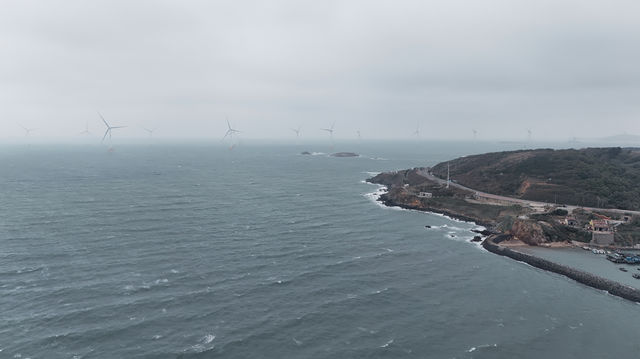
[494, 197]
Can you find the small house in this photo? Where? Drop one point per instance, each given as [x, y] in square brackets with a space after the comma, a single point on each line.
[425, 195]
[599, 225]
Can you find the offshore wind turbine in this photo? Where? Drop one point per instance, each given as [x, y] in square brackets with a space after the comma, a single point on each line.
[297, 131]
[27, 131]
[475, 134]
[358, 133]
[86, 129]
[529, 135]
[230, 131]
[330, 130]
[109, 128]
[417, 131]
[149, 130]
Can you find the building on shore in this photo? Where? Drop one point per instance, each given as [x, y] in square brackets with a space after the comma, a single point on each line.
[601, 232]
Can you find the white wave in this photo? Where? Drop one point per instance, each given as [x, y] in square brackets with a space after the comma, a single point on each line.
[454, 230]
[367, 330]
[208, 338]
[298, 342]
[386, 345]
[317, 153]
[371, 173]
[472, 349]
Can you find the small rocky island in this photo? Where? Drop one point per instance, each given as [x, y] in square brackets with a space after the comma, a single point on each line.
[345, 154]
[587, 197]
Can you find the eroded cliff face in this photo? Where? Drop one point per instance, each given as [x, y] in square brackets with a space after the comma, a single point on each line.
[529, 232]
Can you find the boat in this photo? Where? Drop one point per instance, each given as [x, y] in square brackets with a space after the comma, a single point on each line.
[623, 269]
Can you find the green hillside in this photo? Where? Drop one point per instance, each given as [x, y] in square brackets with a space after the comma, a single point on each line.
[591, 177]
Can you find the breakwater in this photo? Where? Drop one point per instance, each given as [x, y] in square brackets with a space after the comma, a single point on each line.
[614, 288]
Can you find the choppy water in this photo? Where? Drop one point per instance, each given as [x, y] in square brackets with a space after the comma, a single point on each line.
[194, 251]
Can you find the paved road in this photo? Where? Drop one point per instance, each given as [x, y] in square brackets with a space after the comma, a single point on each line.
[424, 173]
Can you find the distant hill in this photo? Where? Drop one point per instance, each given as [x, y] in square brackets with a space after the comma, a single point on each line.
[622, 138]
[591, 177]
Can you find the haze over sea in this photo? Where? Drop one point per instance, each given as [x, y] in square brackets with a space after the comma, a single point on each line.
[196, 251]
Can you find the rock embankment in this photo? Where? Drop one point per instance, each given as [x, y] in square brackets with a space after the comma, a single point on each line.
[614, 288]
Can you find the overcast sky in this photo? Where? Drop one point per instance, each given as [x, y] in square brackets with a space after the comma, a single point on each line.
[561, 68]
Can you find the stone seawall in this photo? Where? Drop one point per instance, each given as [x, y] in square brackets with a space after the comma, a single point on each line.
[589, 279]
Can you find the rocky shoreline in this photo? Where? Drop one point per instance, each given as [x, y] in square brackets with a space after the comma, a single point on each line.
[614, 288]
[491, 244]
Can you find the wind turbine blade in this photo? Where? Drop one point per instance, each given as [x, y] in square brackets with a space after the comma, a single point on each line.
[105, 135]
[118, 127]
[228, 124]
[103, 120]
[225, 135]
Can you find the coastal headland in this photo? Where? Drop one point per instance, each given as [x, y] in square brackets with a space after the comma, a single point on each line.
[517, 211]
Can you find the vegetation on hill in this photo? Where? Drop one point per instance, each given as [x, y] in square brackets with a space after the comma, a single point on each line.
[591, 177]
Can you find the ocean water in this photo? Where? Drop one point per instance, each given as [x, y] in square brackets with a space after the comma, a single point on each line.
[196, 251]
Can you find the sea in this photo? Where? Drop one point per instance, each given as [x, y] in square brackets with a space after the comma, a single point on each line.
[199, 250]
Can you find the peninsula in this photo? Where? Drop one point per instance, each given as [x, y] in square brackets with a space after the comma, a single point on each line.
[537, 197]
[587, 197]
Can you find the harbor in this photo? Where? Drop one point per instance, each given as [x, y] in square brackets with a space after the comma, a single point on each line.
[595, 261]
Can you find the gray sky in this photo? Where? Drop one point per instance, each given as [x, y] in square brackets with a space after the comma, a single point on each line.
[560, 68]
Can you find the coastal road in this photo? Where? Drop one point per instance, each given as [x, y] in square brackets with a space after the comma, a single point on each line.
[494, 197]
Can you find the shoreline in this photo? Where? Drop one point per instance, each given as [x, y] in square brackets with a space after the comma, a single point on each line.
[505, 249]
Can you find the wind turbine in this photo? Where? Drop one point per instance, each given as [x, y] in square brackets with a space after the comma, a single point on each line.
[358, 132]
[109, 128]
[230, 131]
[330, 130]
[529, 135]
[475, 133]
[297, 131]
[417, 131]
[27, 131]
[150, 131]
[86, 129]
